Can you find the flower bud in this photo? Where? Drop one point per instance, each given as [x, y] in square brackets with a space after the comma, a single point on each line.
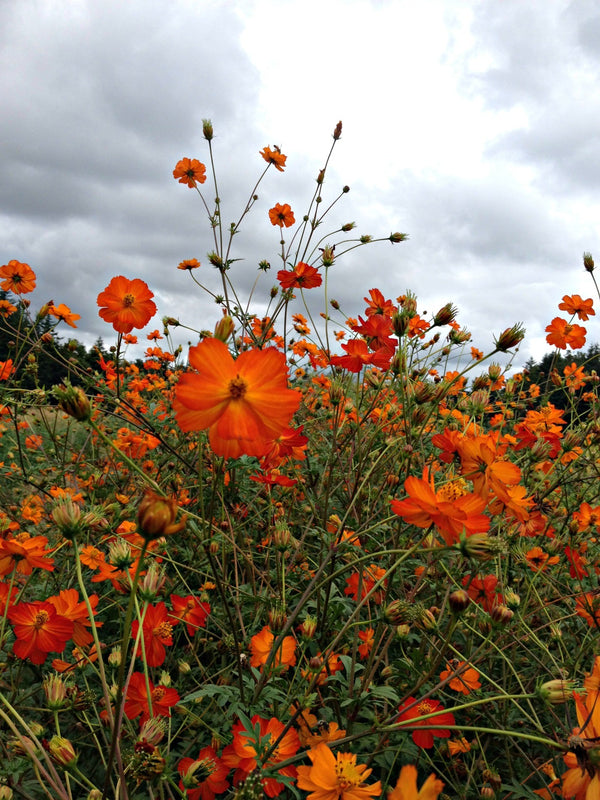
[337, 131]
[73, 401]
[67, 516]
[62, 751]
[94, 794]
[556, 691]
[588, 262]
[445, 315]
[458, 600]
[207, 129]
[6, 793]
[398, 237]
[224, 328]
[152, 582]
[308, 628]
[156, 516]
[501, 614]
[478, 546]
[510, 337]
[55, 691]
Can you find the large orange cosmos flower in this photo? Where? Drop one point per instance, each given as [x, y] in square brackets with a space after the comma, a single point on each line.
[281, 215]
[126, 304]
[406, 786]
[261, 645]
[18, 278]
[451, 509]
[336, 777]
[245, 403]
[190, 171]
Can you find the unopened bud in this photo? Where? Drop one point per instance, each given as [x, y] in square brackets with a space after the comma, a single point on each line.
[224, 328]
[501, 614]
[55, 691]
[458, 600]
[73, 401]
[445, 315]
[308, 628]
[337, 131]
[207, 129]
[588, 262]
[62, 751]
[156, 516]
[556, 692]
[510, 337]
[398, 237]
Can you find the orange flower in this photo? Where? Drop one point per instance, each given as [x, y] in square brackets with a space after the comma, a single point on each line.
[406, 786]
[303, 276]
[582, 778]
[367, 637]
[6, 308]
[378, 305]
[450, 511]
[24, 552]
[466, 678]
[538, 559]
[68, 606]
[574, 304]
[18, 278]
[281, 215]
[575, 377]
[64, 314]
[39, 629]
[190, 171]
[561, 333]
[588, 607]
[246, 747]
[6, 369]
[245, 403]
[126, 304]
[189, 610]
[191, 263]
[261, 646]
[335, 777]
[274, 157]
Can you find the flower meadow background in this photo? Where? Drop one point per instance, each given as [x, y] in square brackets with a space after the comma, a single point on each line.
[308, 556]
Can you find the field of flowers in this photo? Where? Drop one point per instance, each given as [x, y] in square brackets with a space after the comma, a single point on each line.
[313, 557]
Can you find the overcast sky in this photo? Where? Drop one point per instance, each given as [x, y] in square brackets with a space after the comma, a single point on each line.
[472, 126]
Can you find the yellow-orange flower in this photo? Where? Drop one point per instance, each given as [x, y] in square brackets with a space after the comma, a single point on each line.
[466, 678]
[19, 278]
[406, 786]
[335, 777]
[64, 314]
[244, 402]
[261, 645]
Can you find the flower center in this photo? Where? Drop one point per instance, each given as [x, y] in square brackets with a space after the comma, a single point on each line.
[164, 630]
[347, 775]
[158, 693]
[128, 300]
[41, 618]
[237, 388]
[424, 708]
[452, 490]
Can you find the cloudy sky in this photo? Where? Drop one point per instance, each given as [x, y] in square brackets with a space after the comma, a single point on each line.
[474, 126]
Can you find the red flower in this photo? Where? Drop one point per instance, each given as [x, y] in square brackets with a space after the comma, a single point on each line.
[483, 591]
[424, 733]
[189, 171]
[303, 276]
[18, 278]
[157, 630]
[126, 304]
[189, 610]
[378, 305]
[358, 356]
[245, 403]
[162, 698]
[204, 777]
[39, 630]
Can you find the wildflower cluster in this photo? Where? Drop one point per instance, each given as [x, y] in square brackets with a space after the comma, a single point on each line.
[331, 557]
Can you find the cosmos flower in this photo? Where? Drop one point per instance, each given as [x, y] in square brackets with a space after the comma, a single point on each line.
[127, 304]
